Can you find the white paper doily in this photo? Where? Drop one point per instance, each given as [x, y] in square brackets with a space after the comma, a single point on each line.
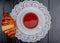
[35, 35]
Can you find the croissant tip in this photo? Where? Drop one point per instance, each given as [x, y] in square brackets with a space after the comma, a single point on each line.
[5, 14]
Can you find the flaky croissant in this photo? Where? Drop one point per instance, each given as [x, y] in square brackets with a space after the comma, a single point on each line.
[8, 25]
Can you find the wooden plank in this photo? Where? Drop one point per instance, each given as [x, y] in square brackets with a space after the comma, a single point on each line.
[1, 12]
[7, 6]
[56, 22]
[54, 35]
[3, 38]
[2, 35]
[39, 1]
[53, 21]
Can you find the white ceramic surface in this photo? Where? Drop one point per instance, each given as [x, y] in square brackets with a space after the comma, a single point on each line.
[43, 27]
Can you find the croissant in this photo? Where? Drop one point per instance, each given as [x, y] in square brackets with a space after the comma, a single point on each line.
[8, 25]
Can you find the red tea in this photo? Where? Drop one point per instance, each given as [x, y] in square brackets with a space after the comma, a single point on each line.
[30, 20]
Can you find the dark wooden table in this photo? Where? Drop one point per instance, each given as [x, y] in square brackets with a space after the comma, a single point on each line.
[53, 6]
